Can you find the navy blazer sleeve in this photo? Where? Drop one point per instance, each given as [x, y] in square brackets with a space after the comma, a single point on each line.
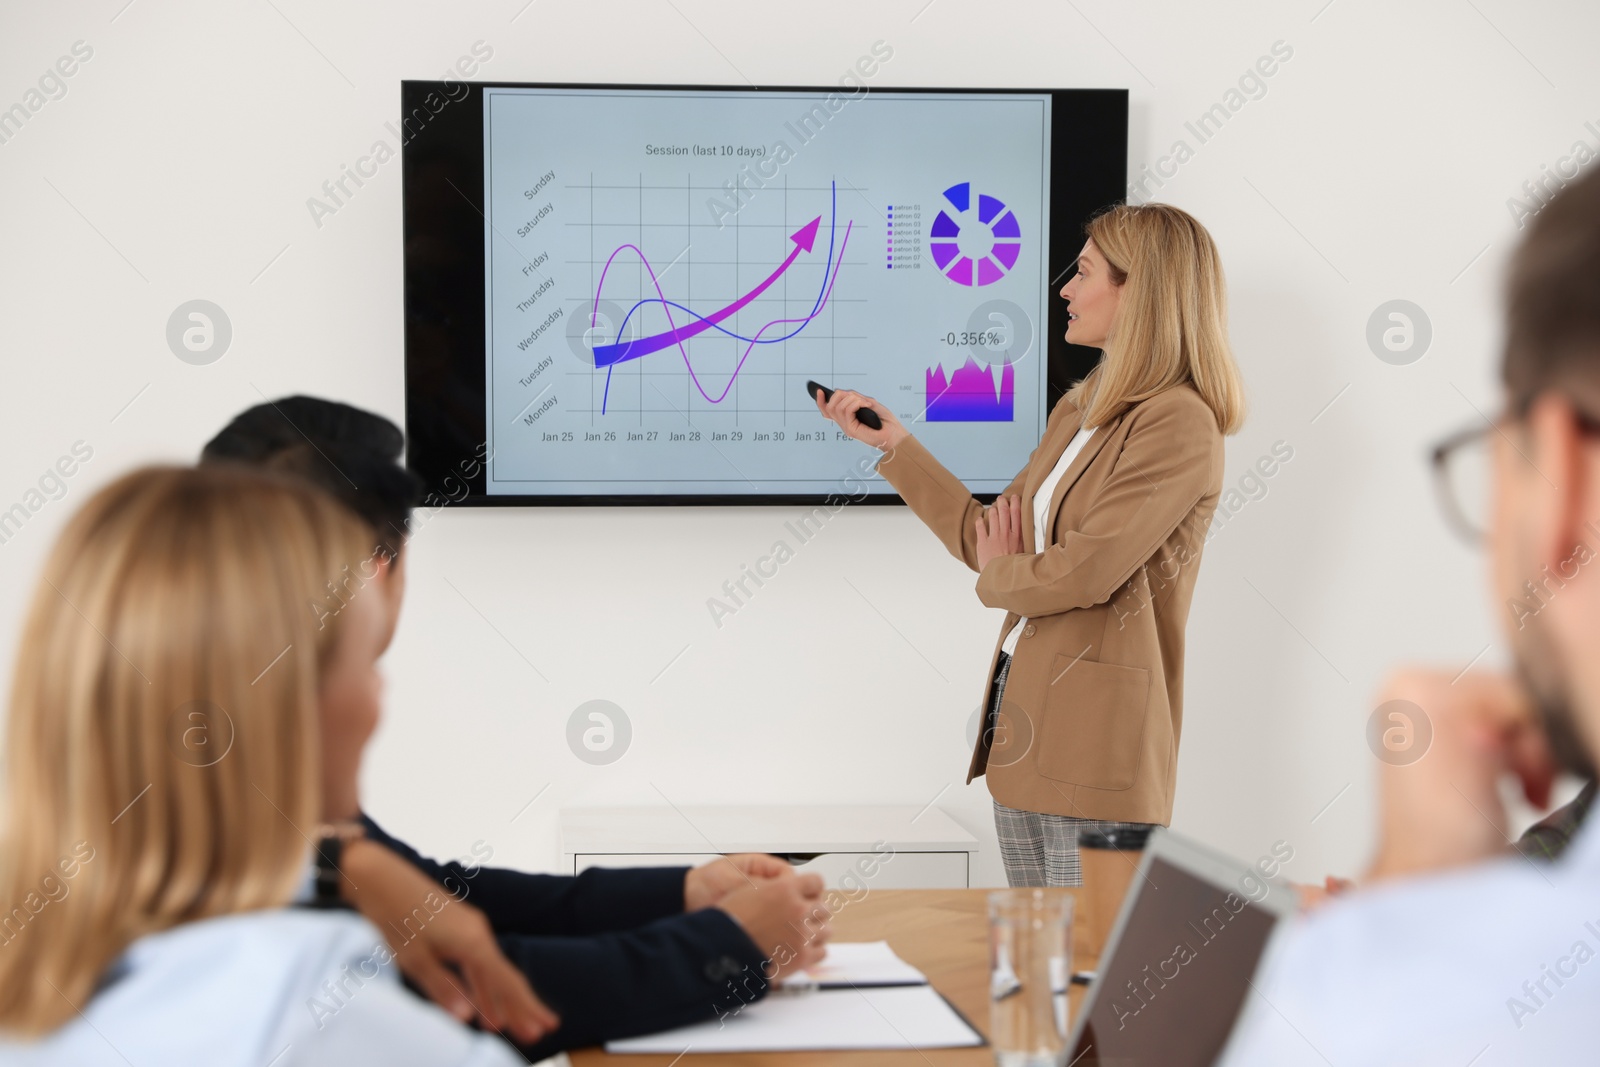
[596, 901]
[669, 973]
[610, 951]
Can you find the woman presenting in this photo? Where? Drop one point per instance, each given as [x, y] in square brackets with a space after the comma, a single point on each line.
[1093, 548]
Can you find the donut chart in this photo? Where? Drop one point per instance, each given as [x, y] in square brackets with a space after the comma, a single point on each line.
[993, 215]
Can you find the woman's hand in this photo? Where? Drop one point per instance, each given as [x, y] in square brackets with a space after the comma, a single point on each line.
[843, 405]
[999, 530]
[452, 956]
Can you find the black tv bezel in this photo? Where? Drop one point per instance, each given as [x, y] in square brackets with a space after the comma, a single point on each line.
[442, 189]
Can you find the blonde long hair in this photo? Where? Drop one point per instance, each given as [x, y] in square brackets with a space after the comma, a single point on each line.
[1171, 324]
[162, 758]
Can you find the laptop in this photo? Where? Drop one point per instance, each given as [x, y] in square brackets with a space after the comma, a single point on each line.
[1177, 966]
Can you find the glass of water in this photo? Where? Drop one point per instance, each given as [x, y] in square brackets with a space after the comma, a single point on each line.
[1030, 963]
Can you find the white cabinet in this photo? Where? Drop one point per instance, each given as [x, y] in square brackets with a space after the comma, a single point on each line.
[851, 846]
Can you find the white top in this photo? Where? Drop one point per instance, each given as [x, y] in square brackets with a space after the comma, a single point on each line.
[1490, 965]
[1041, 514]
[290, 988]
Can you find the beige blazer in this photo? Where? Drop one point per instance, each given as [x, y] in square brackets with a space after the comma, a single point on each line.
[1093, 703]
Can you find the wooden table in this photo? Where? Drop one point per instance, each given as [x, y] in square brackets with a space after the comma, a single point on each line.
[944, 933]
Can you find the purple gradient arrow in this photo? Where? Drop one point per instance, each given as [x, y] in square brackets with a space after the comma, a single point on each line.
[606, 355]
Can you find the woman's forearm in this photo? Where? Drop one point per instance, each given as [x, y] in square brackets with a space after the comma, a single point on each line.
[935, 495]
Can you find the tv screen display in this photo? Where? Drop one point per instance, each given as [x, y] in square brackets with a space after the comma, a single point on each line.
[617, 294]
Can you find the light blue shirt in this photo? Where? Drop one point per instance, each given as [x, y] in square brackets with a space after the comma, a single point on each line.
[1490, 965]
[285, 988]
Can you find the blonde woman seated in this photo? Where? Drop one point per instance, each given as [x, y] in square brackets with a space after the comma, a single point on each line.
[147, 879]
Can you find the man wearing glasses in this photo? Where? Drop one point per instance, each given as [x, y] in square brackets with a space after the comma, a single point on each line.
[1460, 949]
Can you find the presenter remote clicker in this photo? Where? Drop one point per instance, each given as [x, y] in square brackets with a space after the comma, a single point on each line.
[865, 416]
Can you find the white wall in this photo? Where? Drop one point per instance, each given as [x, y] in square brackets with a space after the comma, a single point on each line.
[1377, 165]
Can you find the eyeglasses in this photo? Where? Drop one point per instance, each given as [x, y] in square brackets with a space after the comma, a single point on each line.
[1462, 474]
[1461, 477]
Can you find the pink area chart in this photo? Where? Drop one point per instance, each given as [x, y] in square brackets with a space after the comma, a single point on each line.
[969, 394]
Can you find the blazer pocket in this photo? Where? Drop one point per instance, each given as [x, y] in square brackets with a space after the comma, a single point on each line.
[1093, 727]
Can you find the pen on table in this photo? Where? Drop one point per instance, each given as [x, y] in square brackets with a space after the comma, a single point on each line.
[1078, 978]
[796, 986]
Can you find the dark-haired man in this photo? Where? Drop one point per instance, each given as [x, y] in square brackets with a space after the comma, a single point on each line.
[1460, 950]
[613, 952]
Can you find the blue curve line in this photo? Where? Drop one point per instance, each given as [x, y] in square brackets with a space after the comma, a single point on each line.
[832, 223]
[750, 347]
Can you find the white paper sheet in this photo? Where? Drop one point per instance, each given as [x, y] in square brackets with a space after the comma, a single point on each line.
[899, 1017]
[861, 963]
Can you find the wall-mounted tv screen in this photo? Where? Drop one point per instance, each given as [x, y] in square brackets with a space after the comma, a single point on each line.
[616, 294]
